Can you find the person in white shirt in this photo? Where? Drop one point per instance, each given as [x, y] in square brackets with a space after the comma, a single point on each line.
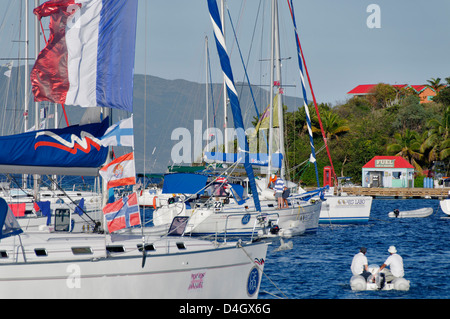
[395, 263]
[360, 265]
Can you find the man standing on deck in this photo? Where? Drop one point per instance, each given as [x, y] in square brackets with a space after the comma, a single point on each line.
[360, 265]
[279, 188]
[395, 262]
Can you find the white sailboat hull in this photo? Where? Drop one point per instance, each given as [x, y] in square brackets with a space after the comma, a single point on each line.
[345, 210]
[199, 270]
[235, 219]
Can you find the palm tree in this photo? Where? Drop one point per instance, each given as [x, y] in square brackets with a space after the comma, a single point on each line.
[332, 124]
[435, 84]
[407, 145]
[437, 142]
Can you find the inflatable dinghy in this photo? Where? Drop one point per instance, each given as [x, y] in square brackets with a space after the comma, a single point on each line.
[421, 212]
[377, 282]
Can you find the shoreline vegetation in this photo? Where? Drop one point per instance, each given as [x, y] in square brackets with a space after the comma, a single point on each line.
[388, 121]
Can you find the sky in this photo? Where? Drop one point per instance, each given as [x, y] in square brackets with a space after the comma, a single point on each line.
[409, 45]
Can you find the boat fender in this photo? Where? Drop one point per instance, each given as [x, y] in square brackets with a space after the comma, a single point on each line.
[155, 202]
[358, 283]
[401, 284]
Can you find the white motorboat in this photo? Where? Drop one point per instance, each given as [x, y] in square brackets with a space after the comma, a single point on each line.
[416, 213]
[345, 209]
[377, 282]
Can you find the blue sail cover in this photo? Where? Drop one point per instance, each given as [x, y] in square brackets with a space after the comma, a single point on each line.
[232, 94]
[258, 159]
[59, 150]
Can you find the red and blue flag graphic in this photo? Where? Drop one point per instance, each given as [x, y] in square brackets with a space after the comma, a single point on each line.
[123, 213]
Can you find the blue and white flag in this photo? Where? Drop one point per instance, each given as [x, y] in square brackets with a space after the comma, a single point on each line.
[119, 134]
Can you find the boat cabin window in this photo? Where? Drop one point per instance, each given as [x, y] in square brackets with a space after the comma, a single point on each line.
[81, 250]
[40, 252]
[115, 249]
[148, 247]
[62, 219]
[3, 254]
[181, 245]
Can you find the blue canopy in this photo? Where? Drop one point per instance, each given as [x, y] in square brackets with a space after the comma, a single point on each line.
[184, 183]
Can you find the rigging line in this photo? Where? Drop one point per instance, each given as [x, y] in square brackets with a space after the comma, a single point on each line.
[212, 94]
[259, 268]
[305, 99]
[243, 63]
[291, 8]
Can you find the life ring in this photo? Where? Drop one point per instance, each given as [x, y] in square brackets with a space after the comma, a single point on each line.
[154, 201]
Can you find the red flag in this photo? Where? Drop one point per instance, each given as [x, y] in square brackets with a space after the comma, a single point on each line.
[49, 76]
[120, 172]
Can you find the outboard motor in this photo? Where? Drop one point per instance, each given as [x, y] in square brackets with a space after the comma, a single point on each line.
[274, 229]
[396, 212]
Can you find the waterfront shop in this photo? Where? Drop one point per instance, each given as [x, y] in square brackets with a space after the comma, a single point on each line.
[389, 172]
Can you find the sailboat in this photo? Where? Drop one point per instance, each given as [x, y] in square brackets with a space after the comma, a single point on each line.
[241, 216]
[340, 209]
[61, 264]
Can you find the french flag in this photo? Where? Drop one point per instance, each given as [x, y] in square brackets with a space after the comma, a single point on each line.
[89, 56]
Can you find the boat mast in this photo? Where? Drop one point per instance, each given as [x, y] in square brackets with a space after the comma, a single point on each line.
[272, 44]
[27, 71]
[279, 95]
[206, 91]
[225, 95]
[37, 48]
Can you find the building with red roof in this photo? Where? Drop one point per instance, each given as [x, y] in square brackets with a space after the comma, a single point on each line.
[424, 92]
[388, 171]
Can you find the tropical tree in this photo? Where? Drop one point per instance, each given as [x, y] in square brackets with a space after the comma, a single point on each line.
[437, 141]
[435, 84]
[333, 125]
[407, 145]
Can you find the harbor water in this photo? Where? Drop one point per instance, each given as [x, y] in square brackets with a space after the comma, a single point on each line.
[318, 266]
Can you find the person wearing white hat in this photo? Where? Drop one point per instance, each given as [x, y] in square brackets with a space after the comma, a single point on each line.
[395, 263]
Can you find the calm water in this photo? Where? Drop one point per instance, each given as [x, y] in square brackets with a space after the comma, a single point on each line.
[318, 266]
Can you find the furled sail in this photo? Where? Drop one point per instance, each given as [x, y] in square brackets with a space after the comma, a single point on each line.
[232, 93]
